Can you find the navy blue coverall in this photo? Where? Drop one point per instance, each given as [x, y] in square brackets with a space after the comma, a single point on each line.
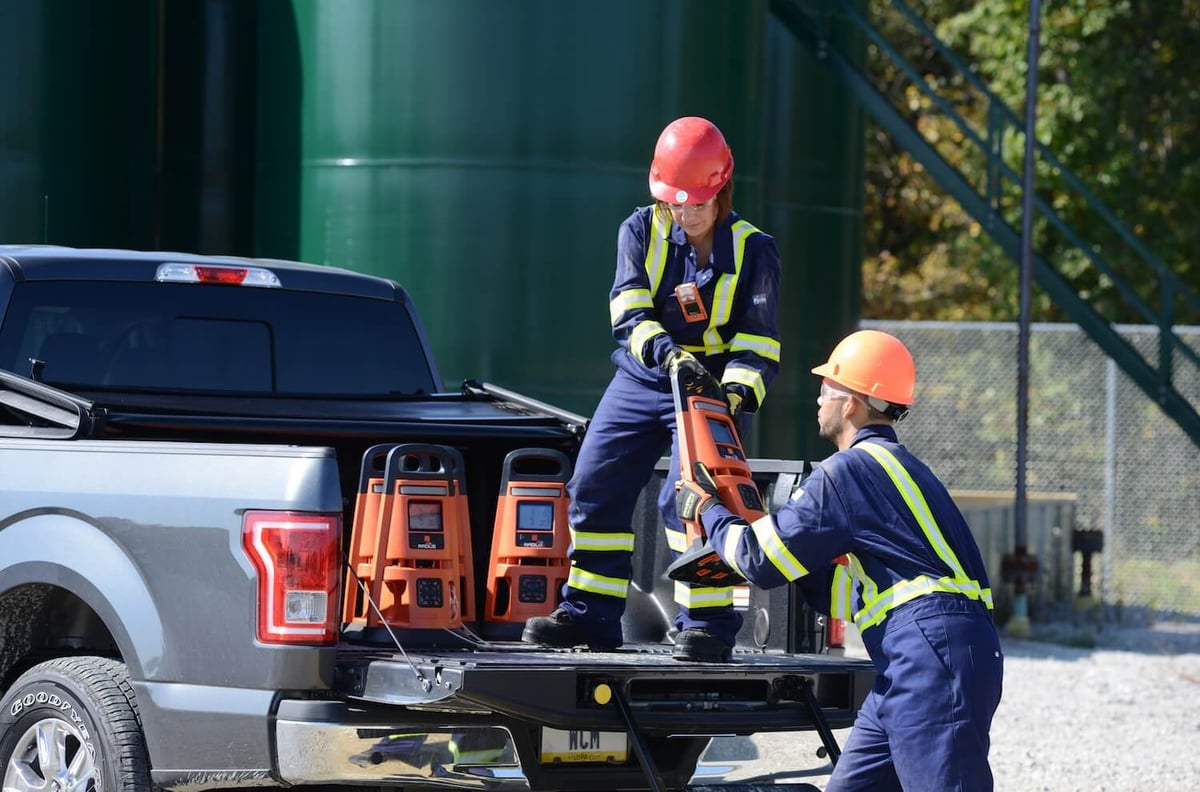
[635, 420]
[917, 590]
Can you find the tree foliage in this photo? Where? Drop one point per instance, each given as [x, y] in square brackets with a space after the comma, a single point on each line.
[1118, 105]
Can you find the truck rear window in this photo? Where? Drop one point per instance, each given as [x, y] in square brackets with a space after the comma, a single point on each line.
[218, 339]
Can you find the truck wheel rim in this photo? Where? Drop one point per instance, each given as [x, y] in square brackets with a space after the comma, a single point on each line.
[51, 756]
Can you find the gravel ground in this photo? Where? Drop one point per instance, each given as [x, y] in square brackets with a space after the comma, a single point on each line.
[1103, 710]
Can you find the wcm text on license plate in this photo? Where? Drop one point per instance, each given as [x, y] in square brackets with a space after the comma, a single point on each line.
[583, 745]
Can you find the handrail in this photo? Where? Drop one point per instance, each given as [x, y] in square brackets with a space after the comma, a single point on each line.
[1170, 284]
[814, 28]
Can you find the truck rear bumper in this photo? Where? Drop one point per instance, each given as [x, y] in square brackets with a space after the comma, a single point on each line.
[758, 692]
[321, 742]
[521, 718]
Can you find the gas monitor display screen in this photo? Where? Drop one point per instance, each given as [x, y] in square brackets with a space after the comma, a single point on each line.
[532, 516]
[424, 517]
[721, 432]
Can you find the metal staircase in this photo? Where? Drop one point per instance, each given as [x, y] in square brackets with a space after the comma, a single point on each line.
[825, 26]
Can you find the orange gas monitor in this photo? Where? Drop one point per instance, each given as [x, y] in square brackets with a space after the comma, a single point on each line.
[419, 583]
[529, 544]
[708, 434]
[364, 534]
[466, 556]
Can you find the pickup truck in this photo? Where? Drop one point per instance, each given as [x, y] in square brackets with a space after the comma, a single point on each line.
[168, 421]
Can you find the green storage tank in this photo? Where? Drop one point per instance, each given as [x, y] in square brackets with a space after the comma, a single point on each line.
[814, 207]
[77, 140]
[483, 154]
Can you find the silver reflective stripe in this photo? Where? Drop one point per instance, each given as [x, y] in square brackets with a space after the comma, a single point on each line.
[629, 300]
[676, 540]
[841, 592]
[726, 286]
[916, 504]
[656, 250]
[774, 549]
[877, 605]
[693, 597]
[908, 590]
[597, 584]
[733, 538]
[601, 542]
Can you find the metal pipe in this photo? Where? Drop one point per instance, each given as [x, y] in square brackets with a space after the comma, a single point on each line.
[1023, 321]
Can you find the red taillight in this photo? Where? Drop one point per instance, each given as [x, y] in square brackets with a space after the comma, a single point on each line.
[298, 558]
[220, 274]
[835, 634]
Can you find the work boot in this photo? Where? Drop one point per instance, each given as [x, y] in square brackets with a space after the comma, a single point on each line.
[559, 631]
[695, 645]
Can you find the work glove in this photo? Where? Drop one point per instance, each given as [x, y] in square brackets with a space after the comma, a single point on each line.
[679, 358]
[734, 400]
[693, 498]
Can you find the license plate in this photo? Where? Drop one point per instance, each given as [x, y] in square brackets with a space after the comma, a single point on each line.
[583, 745]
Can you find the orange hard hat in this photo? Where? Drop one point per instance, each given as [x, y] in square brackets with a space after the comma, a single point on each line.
[873, 363]
[692, 162]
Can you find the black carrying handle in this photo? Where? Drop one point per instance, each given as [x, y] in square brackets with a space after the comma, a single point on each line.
[373, 465]
[558, 469]
[421, 461]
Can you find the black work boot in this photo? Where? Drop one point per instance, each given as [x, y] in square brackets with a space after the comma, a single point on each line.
[558, 630]
[695, 645]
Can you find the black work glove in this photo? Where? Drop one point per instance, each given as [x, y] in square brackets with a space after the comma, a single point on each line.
[693, 498]
[679, 358]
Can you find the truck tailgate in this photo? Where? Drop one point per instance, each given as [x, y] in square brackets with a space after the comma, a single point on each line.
[576, 689]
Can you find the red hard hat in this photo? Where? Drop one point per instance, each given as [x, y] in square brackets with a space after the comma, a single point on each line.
[873, 363]
[692, 162]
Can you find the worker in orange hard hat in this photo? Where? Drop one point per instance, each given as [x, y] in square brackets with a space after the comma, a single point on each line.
[695, 286]
[914, 582]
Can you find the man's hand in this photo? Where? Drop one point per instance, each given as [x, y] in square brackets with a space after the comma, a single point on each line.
[693, 498]
[679, 358]
[734, 400]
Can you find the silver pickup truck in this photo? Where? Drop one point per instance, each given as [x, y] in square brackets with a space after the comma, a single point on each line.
[183, 442]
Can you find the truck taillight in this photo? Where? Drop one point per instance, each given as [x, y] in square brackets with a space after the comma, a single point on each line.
[298, 558]
[835, 635]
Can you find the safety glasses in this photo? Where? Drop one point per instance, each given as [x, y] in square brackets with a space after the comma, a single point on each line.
[831, 392]
[700, 208]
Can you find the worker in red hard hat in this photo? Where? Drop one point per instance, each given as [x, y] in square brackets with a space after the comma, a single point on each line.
[695, 286]
[914, 582]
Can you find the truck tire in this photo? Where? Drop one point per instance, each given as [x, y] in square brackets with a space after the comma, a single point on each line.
[71, 725]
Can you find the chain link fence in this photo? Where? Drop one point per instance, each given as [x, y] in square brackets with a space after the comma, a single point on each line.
[1092, 434]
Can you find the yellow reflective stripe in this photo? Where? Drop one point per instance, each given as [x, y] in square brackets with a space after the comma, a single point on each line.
[751, 378]
[642, 333]
[697, 597]
[733, 538]
[763, 346]
[628, 300]
[584, 540]
[840, 593]
[705, 350]
[676, 540]
[916, 503]
[774, 549]
[870, 589]
[722, 308]
[597, 584]
[907, 590]
[726, 286]
[656, 251]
